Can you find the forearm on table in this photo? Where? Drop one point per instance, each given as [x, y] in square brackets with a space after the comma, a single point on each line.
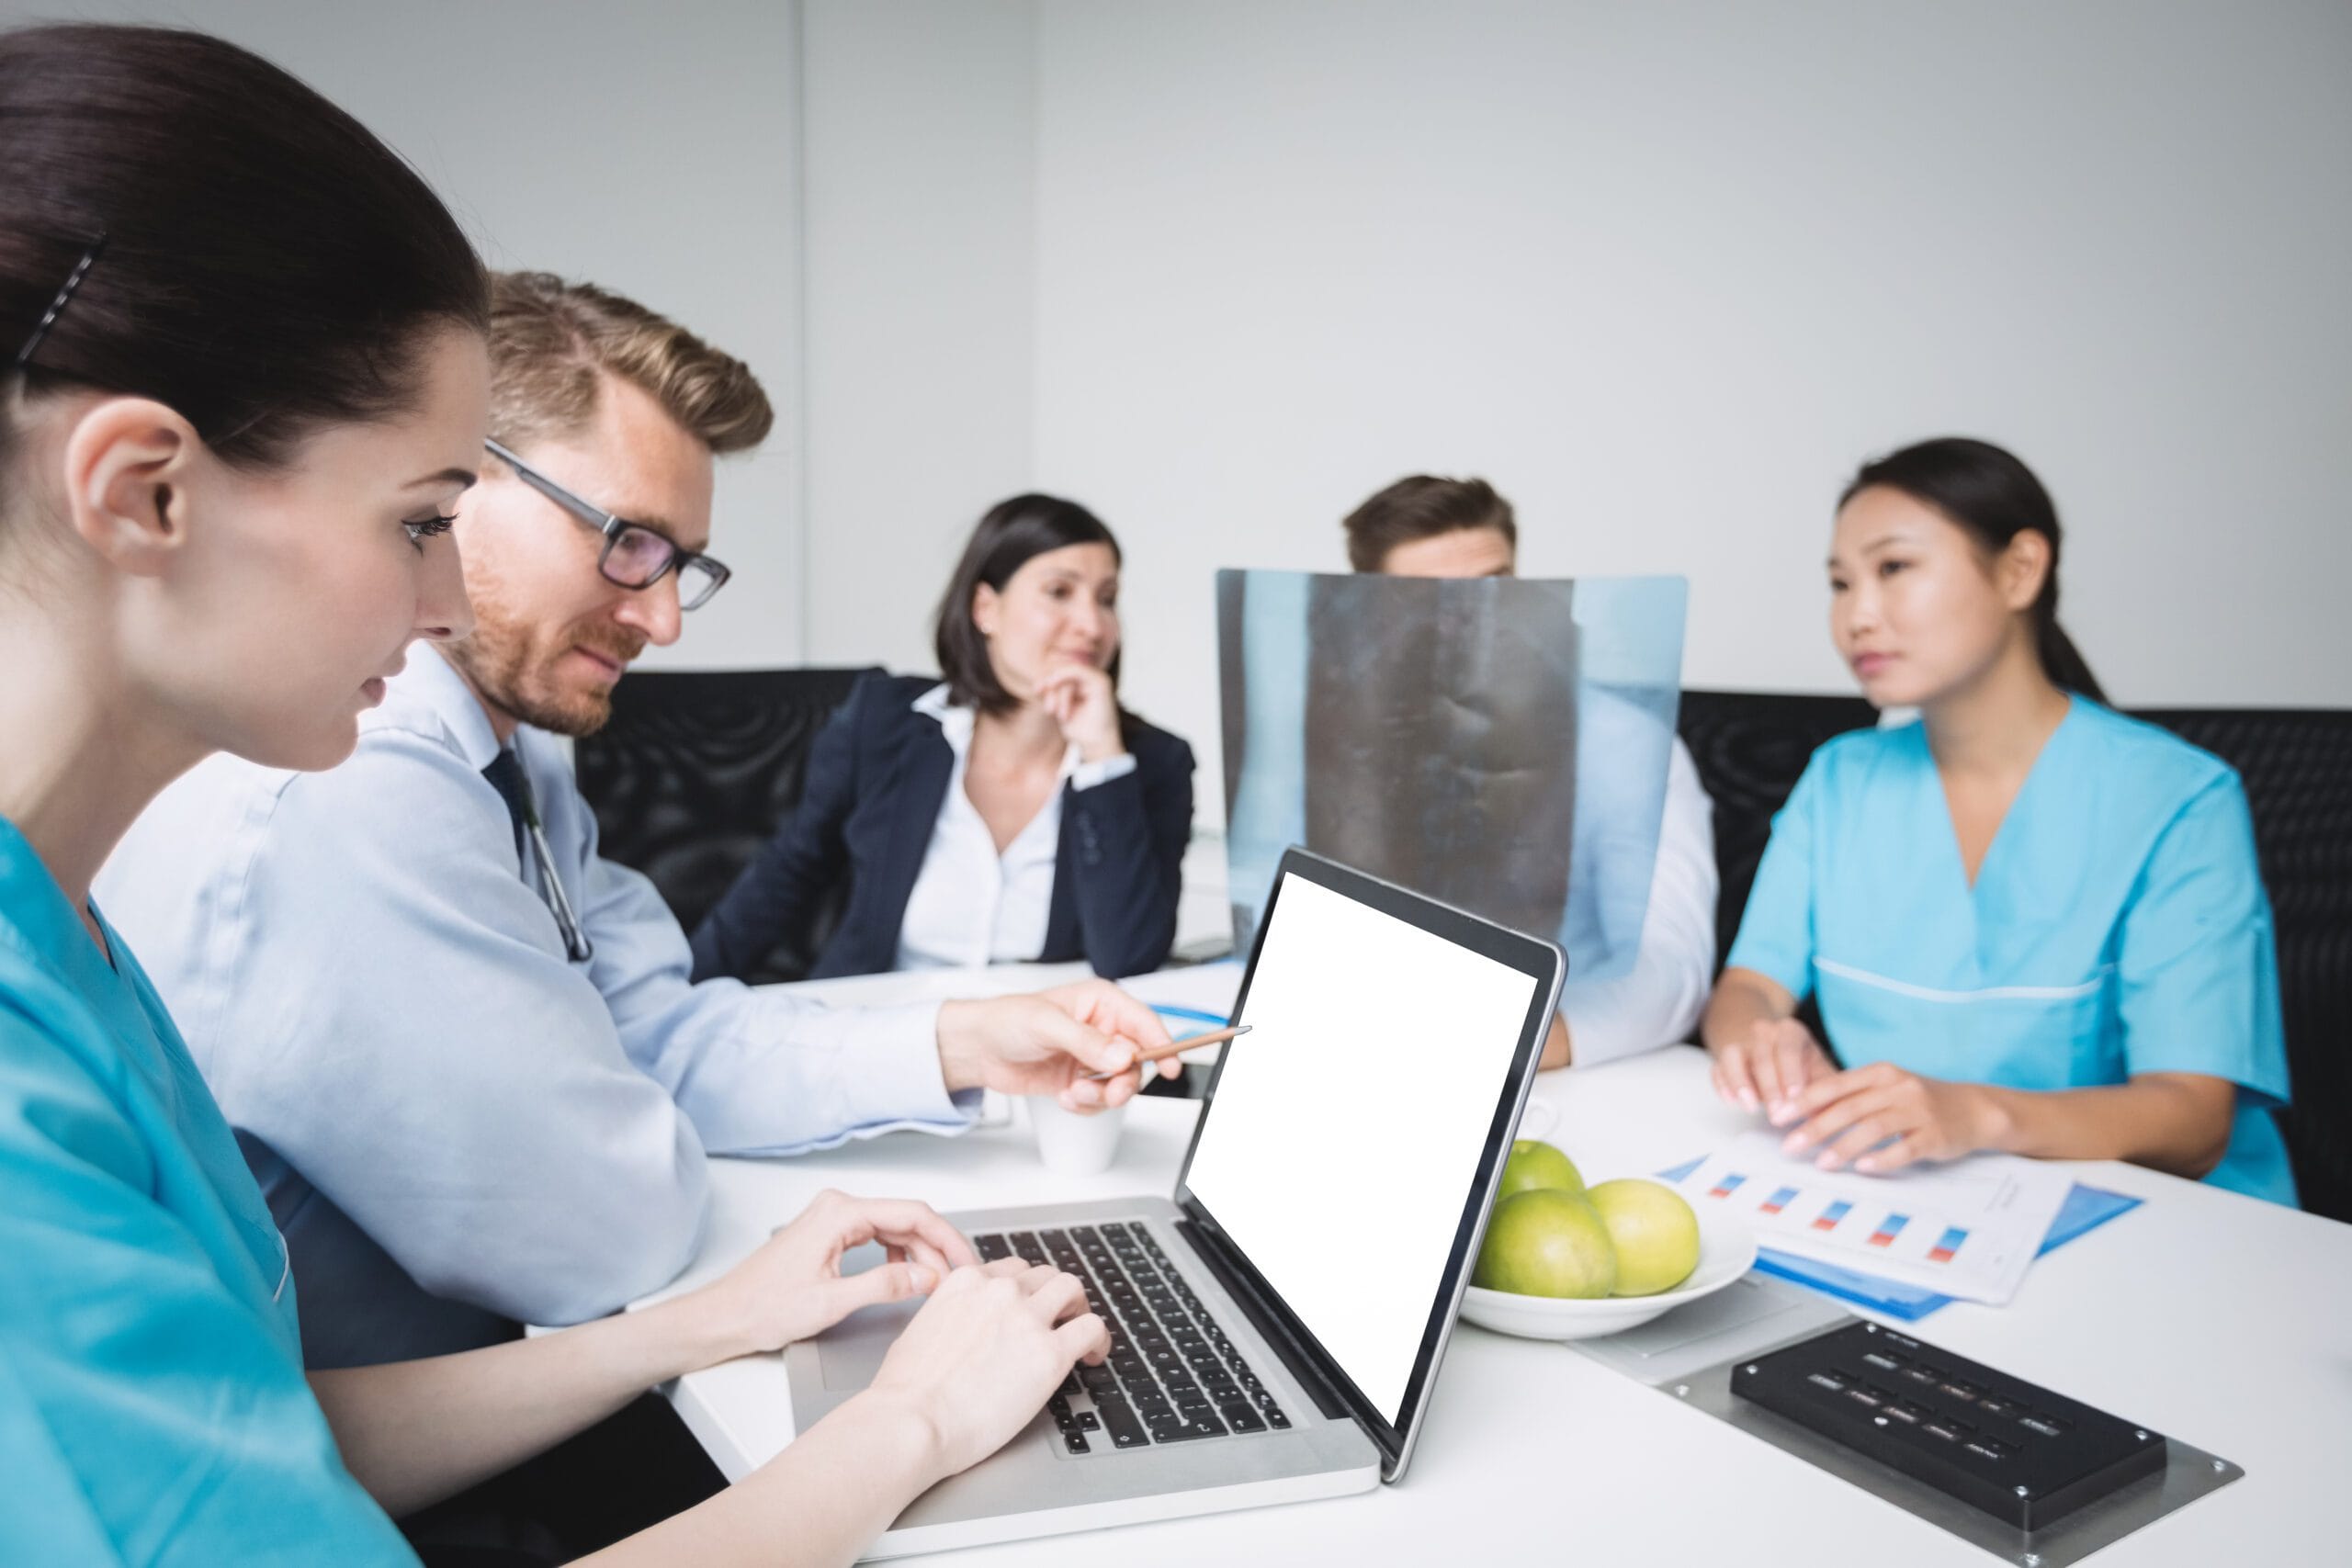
[1742, 998]
[416, 1432]
[760, 1071]
[2176, 1122]
[816, 1503]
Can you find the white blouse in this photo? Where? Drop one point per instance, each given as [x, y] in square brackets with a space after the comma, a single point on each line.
[970, 906]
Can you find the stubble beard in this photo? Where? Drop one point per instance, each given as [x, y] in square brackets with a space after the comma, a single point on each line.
[509, 667]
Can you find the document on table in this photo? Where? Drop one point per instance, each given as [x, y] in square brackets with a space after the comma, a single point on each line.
[1968, 1228]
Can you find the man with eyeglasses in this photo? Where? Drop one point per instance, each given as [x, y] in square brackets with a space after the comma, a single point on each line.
[461, 1050]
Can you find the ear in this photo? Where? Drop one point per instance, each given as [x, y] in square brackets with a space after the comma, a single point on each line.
[2022, 567]
[128, 463]
[984, 603]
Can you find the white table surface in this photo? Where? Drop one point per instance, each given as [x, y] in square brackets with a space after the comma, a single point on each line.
[2217, 1318]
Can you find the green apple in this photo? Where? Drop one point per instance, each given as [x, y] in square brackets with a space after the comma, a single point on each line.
[1546, 1242]
[1535, 1164]
[1654, 1232]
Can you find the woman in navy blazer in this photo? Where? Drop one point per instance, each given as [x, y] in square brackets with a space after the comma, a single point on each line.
[1010, 810]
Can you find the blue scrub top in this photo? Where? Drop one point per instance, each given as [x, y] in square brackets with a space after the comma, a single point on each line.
[152, 1407]
[2118, 924]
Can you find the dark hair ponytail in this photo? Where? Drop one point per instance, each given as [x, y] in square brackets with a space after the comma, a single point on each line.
[268, 266]
[2061, 658]
[1986, 490]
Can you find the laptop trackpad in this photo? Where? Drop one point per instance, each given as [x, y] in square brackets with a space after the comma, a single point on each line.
[849, 1353]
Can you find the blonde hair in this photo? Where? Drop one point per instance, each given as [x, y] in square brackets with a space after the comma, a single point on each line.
[550, 339]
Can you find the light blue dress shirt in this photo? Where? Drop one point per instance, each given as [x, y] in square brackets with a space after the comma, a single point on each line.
[153, 1408]
[2118, 924]
[454, 1125]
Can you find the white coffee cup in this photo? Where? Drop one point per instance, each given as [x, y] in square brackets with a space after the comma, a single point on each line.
[1538, 1119]
[1073, 1144]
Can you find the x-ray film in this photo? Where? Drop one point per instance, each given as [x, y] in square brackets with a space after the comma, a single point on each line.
[1499, 743]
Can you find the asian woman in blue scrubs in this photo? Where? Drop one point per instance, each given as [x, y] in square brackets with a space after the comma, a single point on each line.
[242, 378]
[2031, 923]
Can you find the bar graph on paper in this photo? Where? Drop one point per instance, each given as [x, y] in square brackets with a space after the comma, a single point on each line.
[1967, 1229]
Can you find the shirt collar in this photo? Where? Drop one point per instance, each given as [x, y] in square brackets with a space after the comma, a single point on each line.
[956, 725]
[954, 721]
[47, 929]
[433, 682]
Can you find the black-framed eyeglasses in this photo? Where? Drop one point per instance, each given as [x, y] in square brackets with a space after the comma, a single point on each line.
[634, 555]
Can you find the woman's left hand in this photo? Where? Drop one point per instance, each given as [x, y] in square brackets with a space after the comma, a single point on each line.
[793, 1286]
[1881, 1118]
[1080, 699]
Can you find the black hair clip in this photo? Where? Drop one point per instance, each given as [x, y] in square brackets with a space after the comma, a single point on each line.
[56, 306]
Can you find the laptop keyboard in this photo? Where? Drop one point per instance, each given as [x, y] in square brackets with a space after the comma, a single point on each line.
[1172, 1375]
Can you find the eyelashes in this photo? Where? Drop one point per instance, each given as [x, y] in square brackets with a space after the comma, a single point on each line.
[1886, 570]
[430, 528]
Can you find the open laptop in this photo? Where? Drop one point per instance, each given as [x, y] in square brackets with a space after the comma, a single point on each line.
[1278, 1321]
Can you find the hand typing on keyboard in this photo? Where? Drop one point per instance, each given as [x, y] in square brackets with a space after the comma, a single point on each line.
[1171, 1374]
[989, 1346]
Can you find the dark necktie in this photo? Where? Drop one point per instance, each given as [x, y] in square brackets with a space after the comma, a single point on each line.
[505, 775]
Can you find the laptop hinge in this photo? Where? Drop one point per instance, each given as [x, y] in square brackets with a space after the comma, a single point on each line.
[1209, 1250]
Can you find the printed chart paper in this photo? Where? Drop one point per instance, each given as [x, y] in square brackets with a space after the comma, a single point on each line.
[1969, 1228]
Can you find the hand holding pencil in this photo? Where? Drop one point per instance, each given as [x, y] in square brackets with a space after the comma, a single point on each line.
[1177, 1048]
[1054, 1042]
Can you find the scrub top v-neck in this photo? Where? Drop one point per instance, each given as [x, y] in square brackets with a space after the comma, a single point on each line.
[2118, 922]
[152, 1393]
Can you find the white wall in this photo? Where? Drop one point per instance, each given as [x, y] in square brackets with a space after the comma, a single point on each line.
[1664, 273]
[920, 269]
[652, 150]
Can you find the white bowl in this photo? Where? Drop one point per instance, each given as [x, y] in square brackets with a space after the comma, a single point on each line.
[1726, 1250]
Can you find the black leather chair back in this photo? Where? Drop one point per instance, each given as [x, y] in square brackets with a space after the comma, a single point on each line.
[2297, 766]
[1750, 748]
[694, 774]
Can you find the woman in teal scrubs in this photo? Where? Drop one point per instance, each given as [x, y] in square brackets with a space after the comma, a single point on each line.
[241, 379]
[2032, 924]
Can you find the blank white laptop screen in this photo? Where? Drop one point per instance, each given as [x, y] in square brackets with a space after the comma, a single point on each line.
[1348, 1121]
